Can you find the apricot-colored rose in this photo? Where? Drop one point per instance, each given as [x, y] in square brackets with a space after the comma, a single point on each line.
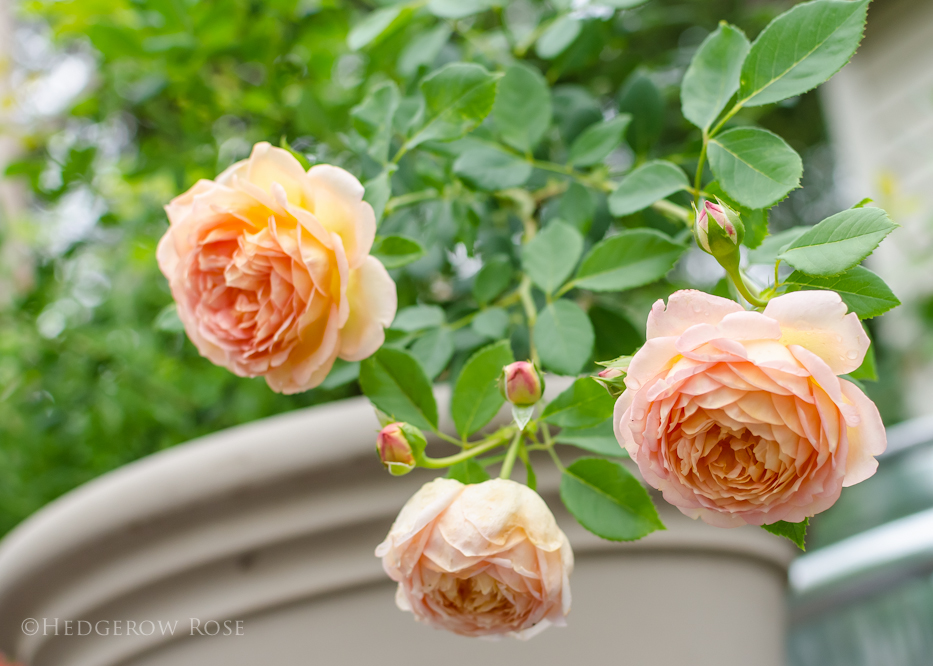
[271, 272]
[479, 560]
[739, 417]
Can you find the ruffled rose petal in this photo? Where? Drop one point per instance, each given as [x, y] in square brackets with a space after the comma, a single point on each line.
[867, 440]
[268, 165]
[817, 320]
[687, 308]
[739, 417]
[261, 285]
[481, 560]
[337, 202]
[373, 302]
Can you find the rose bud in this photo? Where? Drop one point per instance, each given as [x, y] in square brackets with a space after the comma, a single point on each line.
[399, 445]
[613, 377]
[485, 559]
[719, 231]
[521, 384]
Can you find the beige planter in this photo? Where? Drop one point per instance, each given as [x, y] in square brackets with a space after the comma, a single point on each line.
[273, 525]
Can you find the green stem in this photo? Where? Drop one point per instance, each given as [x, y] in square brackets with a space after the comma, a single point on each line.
[674, 211]
[777, 280]
[479, 449]
[698, 179]
[738, 279]
[510, 456]
[734, 110]
[410, 199]
[549, 445]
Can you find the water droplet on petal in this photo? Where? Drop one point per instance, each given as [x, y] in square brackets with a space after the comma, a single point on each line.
[852, 354]
[697, 307]
[638, 414]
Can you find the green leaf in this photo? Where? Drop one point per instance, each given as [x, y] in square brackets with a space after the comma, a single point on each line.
[645, 185]
[772, 246]
[418, 318]
[476, 398]
[608, 500]
[434, 350]
[597, 141]
[755, 220]
[754, 166]
[558, 37]
[862, 291]
[423, 50]
[796, 532]
[839, 242]
[564, 337]
[377, 25]
[577, 208]
[397, 251]
[583, 405]
[468, 472]
[373, 118]
[713, 75]
[490, 168]
[457, 98]
[377, 193]
[492, 323]
[492, 279]
[550, 257]
[455, 9]
[641, 98]
[598, 439]
[168, 320]
[800, 49]
[394, 382]
[341, 374]
[868, 371]
[631, 258]
[523, 107]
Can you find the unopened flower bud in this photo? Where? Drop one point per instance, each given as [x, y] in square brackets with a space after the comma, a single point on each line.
[719, 231]
[399, 446]
[521, 384]
[613, 377]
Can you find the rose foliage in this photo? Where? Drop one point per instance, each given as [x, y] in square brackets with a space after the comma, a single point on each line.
[495, 194]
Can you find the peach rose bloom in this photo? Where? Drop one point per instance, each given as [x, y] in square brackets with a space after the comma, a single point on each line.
[271, 272]
[739, 417]
[479, 560]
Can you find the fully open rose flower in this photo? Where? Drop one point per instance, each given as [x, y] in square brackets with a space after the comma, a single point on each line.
[739, 417]
[479, 560]
[271, 272]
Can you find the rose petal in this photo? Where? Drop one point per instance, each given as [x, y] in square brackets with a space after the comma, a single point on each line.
[817, 321]
[372, 300]
[866, 440]
[337, 203]
[687, 308]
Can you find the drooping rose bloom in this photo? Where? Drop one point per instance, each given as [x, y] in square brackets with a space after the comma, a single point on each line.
[271, 272]
[739, 417]
[479, 560]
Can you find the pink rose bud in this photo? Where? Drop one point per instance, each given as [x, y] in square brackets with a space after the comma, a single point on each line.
[611, 373]
[398, 445]
[521, 384]
[719, 230]
[613, 376]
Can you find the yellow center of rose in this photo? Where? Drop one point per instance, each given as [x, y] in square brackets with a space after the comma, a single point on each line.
[480, 597]
[725, 464]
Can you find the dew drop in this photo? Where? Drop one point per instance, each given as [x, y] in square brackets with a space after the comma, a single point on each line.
[852, 354]
[697, 307]
[638, 414]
